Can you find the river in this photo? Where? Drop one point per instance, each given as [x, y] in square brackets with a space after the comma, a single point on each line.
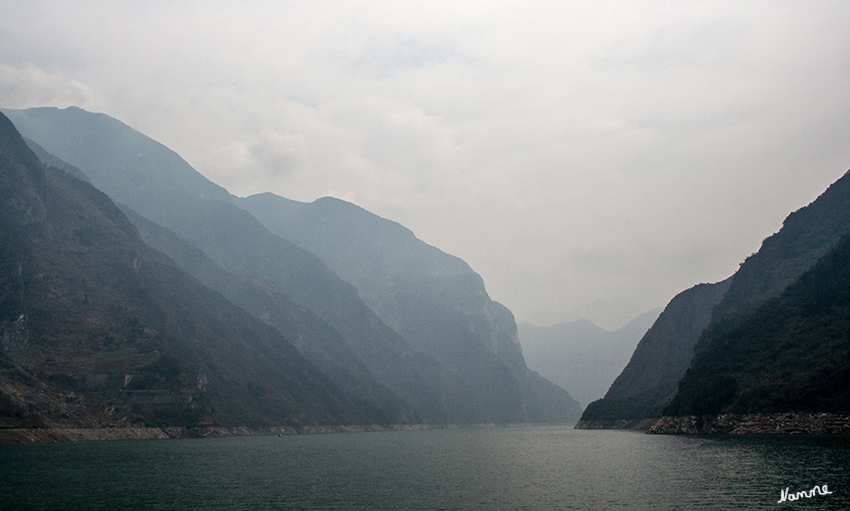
[533, 468]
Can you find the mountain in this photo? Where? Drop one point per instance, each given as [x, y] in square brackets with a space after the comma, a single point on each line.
[696, 317]
[315, 339]
[660, 359]
[433, 299]
[581, 357]
[157, 184]
[609, 314]
[100, 329]
[791, 355]
[806, 235]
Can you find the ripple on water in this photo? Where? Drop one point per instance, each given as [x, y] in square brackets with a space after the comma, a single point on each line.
[459, 469]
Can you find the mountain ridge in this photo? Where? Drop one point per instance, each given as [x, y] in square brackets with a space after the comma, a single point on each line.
[139, 177]
[791, 355]
[233, 239]
[433, 299]
[101, 329]
[807, 234]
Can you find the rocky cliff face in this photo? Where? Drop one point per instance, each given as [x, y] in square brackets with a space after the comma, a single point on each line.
[472, 372]
[650, 379]
[102, 330]
[791, 355]
[159, 185]
[806, 236]
[434, 300]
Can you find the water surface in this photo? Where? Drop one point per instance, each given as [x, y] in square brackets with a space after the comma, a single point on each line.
[502, 468]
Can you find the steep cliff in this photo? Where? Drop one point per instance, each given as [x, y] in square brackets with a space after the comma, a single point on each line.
[650, 378]
[433, 299]
[159, 185]
[806, 236]
[791, 355]
[99, 329]
[442, 386]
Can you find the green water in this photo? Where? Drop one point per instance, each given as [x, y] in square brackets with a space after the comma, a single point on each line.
[502, 468]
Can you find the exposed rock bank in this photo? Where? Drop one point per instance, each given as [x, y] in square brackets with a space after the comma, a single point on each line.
[53, 435]
[12, 436]
[636, 424]
[755, 424]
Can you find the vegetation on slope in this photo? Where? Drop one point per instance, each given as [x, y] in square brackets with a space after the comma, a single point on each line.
[791, 354]
[806, 235]
[649, 380]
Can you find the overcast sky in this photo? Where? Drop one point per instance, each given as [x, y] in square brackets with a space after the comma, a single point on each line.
[568, 151]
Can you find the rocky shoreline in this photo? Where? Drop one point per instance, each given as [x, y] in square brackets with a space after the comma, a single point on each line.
[53, 435]
[726, 424]
[755, 424]
[18, 436]
[635, 424]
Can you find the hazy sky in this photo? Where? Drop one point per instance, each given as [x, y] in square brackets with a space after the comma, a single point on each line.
[569, 151]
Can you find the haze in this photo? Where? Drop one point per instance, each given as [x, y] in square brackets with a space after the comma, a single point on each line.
[571, 152]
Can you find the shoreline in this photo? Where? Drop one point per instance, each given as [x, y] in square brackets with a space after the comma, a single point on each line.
[31, 436]
[632, 424]
[786, 423]
[726, 424]
[789, 423]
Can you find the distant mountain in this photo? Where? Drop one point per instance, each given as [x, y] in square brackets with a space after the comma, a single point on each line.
[159, 185]
[608, 314]
[434, 300]
[791, 355]
[581, 357]
[99, 329]
[702, 314]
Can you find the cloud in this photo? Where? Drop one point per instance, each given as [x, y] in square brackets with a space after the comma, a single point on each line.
[385, 56]
[704, 43]
[32, 86]
[569, 151]
[267, 157]
[280, 154]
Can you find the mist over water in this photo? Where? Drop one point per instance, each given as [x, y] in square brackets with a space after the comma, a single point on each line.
[502, 468]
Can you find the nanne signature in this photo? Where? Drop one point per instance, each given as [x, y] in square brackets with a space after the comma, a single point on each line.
[817, 490]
